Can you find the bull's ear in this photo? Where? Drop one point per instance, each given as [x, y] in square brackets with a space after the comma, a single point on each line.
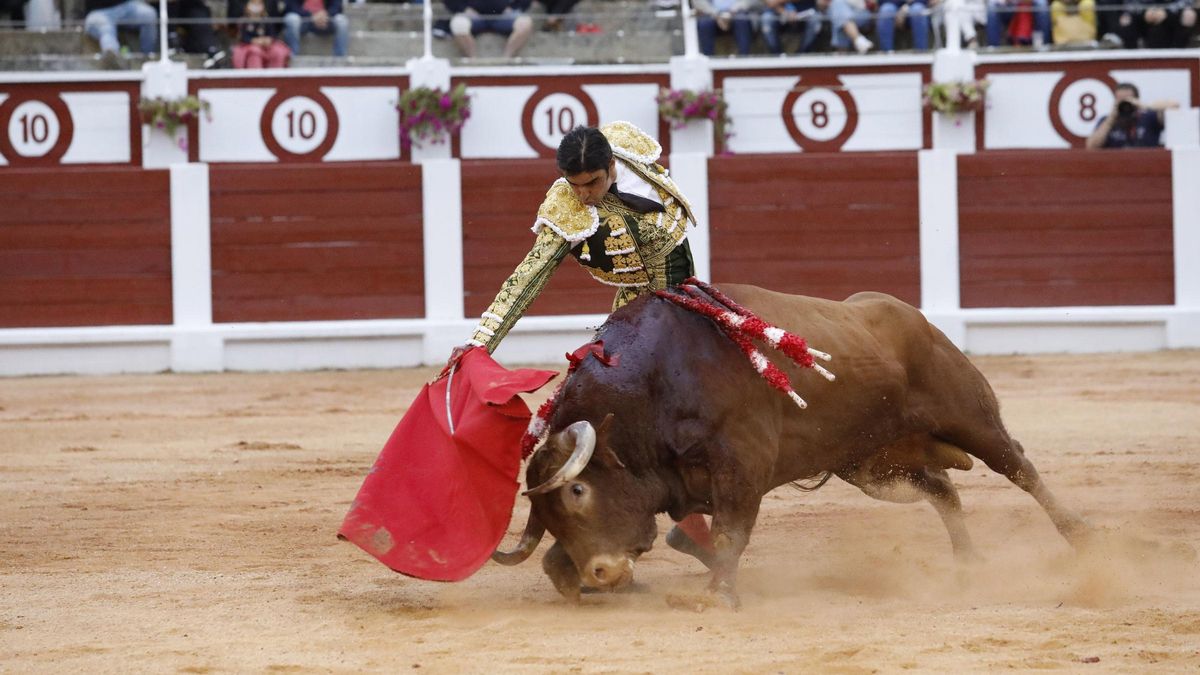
[603, 450]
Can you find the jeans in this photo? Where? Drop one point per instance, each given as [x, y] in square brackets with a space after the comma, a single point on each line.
[918, 22]
[102, 25]
[840, 14]
[295, 25]
[773, 26]
[743, 32]
[997, 20]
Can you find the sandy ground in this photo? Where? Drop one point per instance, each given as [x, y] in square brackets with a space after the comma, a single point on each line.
[185, 523]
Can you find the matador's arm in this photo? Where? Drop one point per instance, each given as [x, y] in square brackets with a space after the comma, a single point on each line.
[520, 289]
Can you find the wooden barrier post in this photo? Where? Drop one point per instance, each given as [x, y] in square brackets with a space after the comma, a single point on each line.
[938, 207]
[1183, 329]
[195, 345]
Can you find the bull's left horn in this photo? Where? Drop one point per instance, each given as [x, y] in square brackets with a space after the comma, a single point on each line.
[583, 436]
[530, 539]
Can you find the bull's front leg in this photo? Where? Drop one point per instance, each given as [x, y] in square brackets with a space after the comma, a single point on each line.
[735, 509]
[562, 572]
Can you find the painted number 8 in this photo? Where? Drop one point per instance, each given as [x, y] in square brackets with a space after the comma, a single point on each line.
[1087, 107]
[820, 114]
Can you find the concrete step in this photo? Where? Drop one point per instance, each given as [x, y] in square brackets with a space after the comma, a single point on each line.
[30, 43]
[391, 48]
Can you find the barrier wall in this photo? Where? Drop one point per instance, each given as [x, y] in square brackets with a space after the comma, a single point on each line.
[292, 230]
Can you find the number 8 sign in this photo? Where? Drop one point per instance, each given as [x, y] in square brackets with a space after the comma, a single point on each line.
[1077, 104]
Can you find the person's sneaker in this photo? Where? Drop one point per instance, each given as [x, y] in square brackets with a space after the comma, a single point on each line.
[862, 45]
[1111, 41]
[111, 61]
[664, 4]
[214, 60]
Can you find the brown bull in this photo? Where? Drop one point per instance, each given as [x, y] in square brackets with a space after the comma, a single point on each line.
[684, 425]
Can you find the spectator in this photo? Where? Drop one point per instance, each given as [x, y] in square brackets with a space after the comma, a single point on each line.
[1154, 23]
[781, 16]
[505, 17]
[848, 18]
[725, 16]
[105, 16]
[15, 9]
[198, 36]
[1073, 21]
[322, 17]
[972, 14]
[893, 13]
[1002, 16]
[556, 12]
[258, 44]
[1131, 124]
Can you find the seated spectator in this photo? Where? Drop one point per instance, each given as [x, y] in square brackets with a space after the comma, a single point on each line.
[505, 17]
[323, 17]
[971, 15]
[196, 31]
[893, 13]
[781, 16]
[15, 9]
[1131, 124]
[1073, 21]
[725, 16]
[847, 18]
[556, 13]
[258, 44]
[105, 16]
[1022, 19]
[1158, 24]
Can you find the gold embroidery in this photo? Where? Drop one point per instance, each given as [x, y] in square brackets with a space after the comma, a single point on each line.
[521, 288]
[631, 142]
[562, 212]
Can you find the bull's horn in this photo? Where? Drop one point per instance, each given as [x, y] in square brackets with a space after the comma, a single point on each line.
[583, 436]
[529, 541]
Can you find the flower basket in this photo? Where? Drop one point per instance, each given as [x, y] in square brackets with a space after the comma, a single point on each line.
[171, 114]
[680, 106]
[953, 98]
[433, 115]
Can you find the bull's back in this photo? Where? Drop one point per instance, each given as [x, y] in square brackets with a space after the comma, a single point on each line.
[886, 357]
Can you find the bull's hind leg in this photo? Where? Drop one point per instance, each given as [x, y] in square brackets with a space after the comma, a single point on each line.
[890, 483]
[1005, 456]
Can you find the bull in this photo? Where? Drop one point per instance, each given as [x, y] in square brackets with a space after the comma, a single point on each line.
[682, 425]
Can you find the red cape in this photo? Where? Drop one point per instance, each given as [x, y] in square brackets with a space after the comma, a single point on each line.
[436, 504]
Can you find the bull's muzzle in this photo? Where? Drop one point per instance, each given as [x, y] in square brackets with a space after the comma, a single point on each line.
[581, 436]
[608, 571]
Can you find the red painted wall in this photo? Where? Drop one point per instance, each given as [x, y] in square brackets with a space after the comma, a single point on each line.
[317, 242]
[1064, 228]
[826, 225]
[84, 247]
[500, 202]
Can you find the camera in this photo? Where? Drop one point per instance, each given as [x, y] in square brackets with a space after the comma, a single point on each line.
[1126, 109]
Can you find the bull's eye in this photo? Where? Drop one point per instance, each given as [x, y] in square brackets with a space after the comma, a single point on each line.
[577, 489]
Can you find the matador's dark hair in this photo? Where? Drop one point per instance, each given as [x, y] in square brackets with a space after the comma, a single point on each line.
[1130, 86]
[583, 150]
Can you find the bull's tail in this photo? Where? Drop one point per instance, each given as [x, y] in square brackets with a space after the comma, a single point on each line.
[804, 484]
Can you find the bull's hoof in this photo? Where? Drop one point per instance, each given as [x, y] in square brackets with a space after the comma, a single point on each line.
[678, 540]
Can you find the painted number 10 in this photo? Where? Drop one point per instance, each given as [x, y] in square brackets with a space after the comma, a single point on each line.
[565, 119]
[302, 125]
[34, 128]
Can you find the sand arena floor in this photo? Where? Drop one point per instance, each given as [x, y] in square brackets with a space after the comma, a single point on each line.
[186, 523]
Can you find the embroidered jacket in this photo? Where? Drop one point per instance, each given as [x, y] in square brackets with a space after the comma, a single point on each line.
[636, 252]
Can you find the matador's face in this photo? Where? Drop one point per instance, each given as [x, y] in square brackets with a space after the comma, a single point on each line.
[590, 186]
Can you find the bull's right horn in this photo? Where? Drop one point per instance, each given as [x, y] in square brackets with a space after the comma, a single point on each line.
[583, 436]
[529, 541]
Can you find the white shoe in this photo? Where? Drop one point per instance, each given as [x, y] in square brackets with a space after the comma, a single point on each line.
[862, 45]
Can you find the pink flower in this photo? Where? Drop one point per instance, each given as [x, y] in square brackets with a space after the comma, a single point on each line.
[446, 103]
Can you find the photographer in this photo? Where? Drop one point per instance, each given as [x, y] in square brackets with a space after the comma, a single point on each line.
[1131, 124]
